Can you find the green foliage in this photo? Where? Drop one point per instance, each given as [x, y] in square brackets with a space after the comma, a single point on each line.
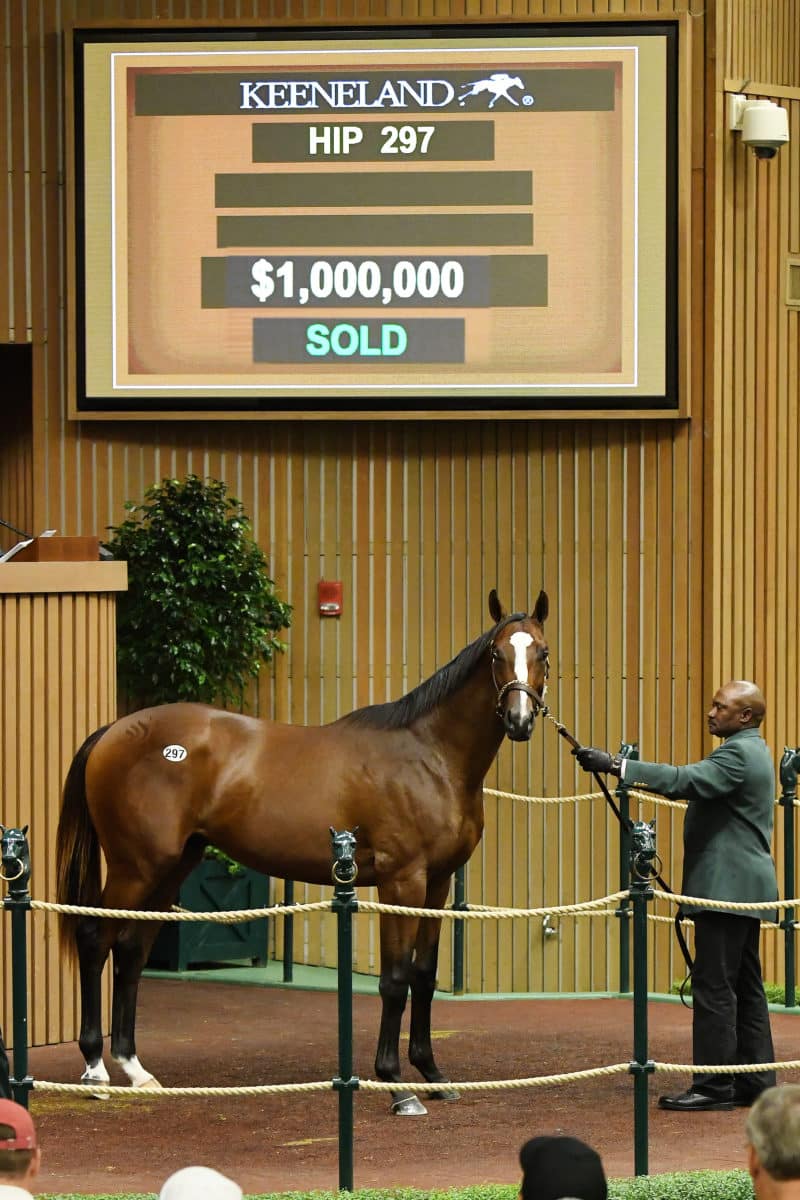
[234, 868]
[689, 1185]
[775, 992]
[200, 615]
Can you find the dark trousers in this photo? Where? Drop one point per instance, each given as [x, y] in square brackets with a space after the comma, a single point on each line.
[730, 1022]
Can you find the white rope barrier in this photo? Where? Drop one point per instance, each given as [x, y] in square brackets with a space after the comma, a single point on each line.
[484, 912]
[103, 1091]
[634, 794]
[734, 1069]
[231, 917]
[542, 799]
[96, 1089]
[723, 905]
[591, 908]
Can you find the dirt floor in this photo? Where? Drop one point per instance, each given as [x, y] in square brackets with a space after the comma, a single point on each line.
[208, 1033]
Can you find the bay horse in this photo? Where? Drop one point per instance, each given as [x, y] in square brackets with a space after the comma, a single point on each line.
[155, 788]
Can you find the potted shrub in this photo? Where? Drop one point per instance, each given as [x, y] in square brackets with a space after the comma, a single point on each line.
[200, 618]
[217, 884]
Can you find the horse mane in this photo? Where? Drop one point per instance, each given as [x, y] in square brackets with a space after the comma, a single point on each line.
[399, 714]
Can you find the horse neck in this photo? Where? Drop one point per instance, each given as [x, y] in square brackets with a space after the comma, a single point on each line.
[467, 729]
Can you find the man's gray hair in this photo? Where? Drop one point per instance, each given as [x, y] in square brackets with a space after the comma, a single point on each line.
[773, 1130]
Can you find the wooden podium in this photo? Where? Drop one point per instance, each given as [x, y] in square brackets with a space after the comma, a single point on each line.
[60, 549]
[58, 648]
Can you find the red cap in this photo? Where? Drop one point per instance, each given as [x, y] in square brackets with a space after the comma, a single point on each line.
[18, 1119]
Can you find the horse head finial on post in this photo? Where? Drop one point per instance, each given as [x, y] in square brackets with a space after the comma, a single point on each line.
[344, 869]
[790, 766]
[644, 867]
[643, 850]
[344, 872]
[15, 856]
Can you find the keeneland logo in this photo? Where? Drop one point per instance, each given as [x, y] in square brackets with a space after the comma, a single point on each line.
[498, 85]
[374, 92]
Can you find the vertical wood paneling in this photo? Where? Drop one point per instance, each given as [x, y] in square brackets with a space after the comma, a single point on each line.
[56, 685]
[667, 549]
[763, 40]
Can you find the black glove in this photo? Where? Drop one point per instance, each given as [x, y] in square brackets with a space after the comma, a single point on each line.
[593, 760]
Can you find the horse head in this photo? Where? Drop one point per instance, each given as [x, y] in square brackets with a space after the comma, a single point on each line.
[520, 665]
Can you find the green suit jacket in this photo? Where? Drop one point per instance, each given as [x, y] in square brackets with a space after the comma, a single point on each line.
[727, 832]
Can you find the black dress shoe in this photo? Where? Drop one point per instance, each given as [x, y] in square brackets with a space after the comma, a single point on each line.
[695, 1102]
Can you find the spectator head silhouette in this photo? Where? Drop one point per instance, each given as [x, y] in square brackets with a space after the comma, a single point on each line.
[19, 1147]
[773, 1136]
[199, 1183]
[557, 1168]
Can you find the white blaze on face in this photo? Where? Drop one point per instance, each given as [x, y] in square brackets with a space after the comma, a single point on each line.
[520, 642]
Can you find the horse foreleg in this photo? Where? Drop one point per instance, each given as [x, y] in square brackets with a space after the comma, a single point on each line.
[423, 985]
[397, 941]
[93, 939]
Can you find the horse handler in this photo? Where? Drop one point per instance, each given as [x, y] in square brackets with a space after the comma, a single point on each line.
[727, 837]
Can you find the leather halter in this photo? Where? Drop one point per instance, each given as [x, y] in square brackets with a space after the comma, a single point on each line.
[517, 685]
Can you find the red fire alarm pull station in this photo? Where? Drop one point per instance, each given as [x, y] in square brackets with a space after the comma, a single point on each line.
[329, 596]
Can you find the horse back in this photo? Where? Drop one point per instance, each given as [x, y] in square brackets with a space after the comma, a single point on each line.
[258, 789]
[268, 794]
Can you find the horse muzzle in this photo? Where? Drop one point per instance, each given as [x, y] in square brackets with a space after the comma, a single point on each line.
[518, 713]
[519, 725]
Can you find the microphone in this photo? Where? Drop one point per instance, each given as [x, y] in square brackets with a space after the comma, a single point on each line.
[13, 528]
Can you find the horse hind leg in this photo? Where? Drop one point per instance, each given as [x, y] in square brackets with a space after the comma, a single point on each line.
[423, 985]
[131, 949]
[93, 938]
[130, 954]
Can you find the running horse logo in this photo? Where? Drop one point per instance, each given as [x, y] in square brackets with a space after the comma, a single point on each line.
[499, 84]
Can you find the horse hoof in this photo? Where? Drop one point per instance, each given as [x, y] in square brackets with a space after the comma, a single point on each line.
[449, 1094]
[150, 1084]
[409, 1106]
[98, 1092]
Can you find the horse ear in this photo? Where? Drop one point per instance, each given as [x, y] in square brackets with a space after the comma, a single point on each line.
[496, 610]
[542, 608]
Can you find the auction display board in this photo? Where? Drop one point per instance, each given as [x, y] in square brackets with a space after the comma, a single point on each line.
[463, 221]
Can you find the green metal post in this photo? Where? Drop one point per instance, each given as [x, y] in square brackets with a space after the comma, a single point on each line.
[460, 905]
[344, 905]
[790, 764]
[288, 933]
[628, 750]
[16, 867]
[642, 857]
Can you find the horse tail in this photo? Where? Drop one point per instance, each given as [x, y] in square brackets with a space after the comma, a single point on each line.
[77, 847]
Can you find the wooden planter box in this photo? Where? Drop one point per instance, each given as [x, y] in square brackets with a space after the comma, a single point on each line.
[211, 888]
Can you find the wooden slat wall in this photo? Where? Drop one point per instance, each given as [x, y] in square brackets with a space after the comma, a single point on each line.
[756, 386]
[57, 684]
[659, 542]
[763, 41]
